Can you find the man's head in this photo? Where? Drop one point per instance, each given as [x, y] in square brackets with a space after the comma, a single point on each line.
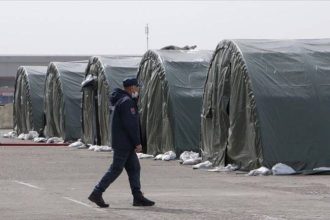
[131, 86]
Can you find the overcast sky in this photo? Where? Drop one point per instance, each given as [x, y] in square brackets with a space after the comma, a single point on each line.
[110, 27]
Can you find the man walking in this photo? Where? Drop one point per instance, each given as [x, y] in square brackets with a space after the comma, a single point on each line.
[126, 141]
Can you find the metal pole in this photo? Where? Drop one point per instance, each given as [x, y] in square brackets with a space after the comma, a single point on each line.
[147, 34]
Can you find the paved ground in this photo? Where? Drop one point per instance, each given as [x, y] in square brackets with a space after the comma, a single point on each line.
[54, 182]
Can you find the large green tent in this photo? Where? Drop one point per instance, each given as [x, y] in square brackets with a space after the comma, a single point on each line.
[105, 74]
[63, 99]
[171, 98]
[268, 102]
[29, 99]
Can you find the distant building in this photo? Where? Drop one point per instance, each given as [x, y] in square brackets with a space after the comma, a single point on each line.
[7, 88]
[9, 65]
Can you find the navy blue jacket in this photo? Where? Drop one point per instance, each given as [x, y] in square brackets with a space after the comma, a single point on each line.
[125, 122]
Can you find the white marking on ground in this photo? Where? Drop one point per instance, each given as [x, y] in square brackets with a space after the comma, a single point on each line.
[83, 204]
[67, 198]
[27, 184]
[267, 217]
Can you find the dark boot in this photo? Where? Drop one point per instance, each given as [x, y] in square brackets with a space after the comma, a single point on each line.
[96, 197]
[140, 200]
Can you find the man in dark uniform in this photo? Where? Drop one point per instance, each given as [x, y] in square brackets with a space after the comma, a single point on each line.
[126, 141]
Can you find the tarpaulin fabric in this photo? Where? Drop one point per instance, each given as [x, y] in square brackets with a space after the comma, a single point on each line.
[171, 99]
[109, 73]
[63, 98]
[267, 102]
[29, 99]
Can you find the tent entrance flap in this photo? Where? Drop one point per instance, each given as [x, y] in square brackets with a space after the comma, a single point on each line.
[90, 116]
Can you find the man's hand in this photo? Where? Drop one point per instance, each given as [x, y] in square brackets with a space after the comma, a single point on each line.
[138, 148]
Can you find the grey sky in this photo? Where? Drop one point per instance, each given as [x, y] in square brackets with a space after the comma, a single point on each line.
[118, 27]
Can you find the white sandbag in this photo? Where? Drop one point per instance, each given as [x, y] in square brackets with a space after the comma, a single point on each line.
[192, 161]
[29, 136]
[77, 144]
[21, 137]
[159, 157]
[187, 155]
[322, 169]
[11, 134]
[204, 165]
[91, 147]
[282, 169]
[55, 140]
[84, 146]
[262, 171]
[144, 156]
[103, 149]
[98, 148]
[170, 155]
[40, 140]
[228, 168]
[32, 135]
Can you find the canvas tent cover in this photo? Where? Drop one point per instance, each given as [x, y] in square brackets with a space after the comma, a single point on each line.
[29, 99]
[63, 99]
[268, 102]
[109, 72]
[171, 98]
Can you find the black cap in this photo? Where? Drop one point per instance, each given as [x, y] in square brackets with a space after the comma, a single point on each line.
[130, 82]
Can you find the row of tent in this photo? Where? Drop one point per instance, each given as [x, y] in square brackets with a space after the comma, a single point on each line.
[250, 102]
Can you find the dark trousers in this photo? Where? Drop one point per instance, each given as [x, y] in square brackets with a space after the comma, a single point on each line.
[121, 160]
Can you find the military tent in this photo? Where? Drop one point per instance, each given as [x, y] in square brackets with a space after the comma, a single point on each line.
[268, 102]
[103, 74]
[63, 99]
[29, 99]
[171, 98]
